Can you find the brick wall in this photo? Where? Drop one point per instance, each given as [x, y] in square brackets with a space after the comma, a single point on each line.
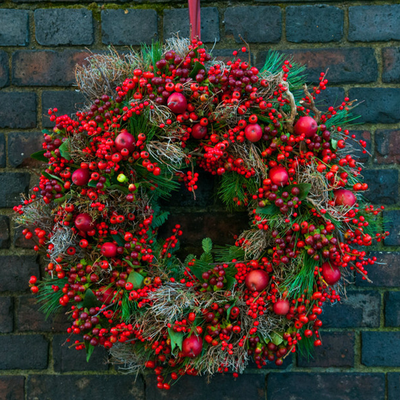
[359, 41]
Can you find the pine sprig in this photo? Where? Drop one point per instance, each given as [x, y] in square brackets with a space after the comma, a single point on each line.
[48, 298]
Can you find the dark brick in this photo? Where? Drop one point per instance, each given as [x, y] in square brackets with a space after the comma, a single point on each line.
[391, 65]
[360, 153]
[383, 186]
[345, 65]
[380, 105]
[226, 55]
[68, 359]
[15, 272]
[391, 224]
[13, 184]
[4, 70]
[177, 20]
[12, 387]
[14, 29]
[19, 239]
[46, 67]
[78, 387]
[387, 144]
[337, 350]
[63, 26]
[66, 102]
[23, 352]
[17, 110]
[287, 364]
[20, 147]
[30, 318]
[392, 309]
[4, 232]
[2, 150]
[380, 349]
[373, 23]
[393, 385]
[129, 27]
[248, 386]
[316, 23]
[331, 96]
[6, 315]
[254, 24]
[359, 309]
[386, 273]
[332, 386]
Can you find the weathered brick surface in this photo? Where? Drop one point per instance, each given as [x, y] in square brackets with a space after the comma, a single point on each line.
[67, 102]
[29, 318]
[127, 27]
[333, 386]
[380, 105]
[4, 69]
[14, 29]
[337, 350]
[20, 147]
[345, 65]
[392, 309]
[15, 272]
[4, 232]
[359, 309]
[393, 385]
[254, 24]
[380, 349]
[316, 23]
[391, 64]
[248, 386]
[6, 315]
[12, 387]
[391, 223]
[330, 97]
[372, 23]
[387, 144]
[3, 156]
[386, 273]
[64, 26]
[17, 110]
[46, 67]
[383, 185]
[23, 352]
[360, 153]
[13, 184]
[178, 20]
[77, 387]
[19, 239]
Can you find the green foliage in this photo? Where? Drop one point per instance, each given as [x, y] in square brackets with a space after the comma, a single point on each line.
[136, 279]
[207, 245]
[48, 298]
[228, 253]
[39, 155]
[151, 54]
[176, 339]
[128, 308]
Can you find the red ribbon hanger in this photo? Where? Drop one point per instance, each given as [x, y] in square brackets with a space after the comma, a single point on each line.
[194, 18]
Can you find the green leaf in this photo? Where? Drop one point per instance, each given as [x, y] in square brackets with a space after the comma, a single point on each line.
[92, 183]
[206, 257]
[119, 239]
[303, 187]
[230, 282]
[176, 339]
[196, 68]
[228, 313]
[136, 279]
[90, 300]
[334, 144]
[272, 209]
[276, 338]
[207, 245]
[60, 199]
[65, 149]
[50, 176]
[39, 155]
[89, 350]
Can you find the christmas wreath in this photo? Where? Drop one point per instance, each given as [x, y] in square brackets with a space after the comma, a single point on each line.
[153, 116]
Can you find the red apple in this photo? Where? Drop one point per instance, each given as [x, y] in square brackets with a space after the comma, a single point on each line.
[192, 346]
[257, 280]
[109, 249]
[177, 103]
[344, 197]
[81, 177]
[125, 140]
[84, 222]
[253, 132]
[107, 294]
[199, 131]
[281, 307]
[306, 125]
[330, 273]
[279, 176]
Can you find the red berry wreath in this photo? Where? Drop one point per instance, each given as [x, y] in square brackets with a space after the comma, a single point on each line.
[154, 115]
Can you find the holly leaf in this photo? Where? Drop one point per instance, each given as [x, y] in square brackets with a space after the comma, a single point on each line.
[176, 339]
[196, 68]
[230, 282]
[89, 350]
[65, 149]
[207, 245]
[90, 300]
[272, 209]
[119, 239]
[39, 155]
[276, 338]
[136, 279]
